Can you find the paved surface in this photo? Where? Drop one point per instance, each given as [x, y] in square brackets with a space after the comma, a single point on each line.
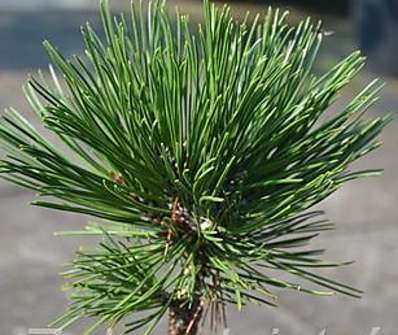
[34, 5]
[31, 257]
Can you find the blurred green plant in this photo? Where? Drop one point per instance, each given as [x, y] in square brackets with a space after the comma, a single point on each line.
[201, 151]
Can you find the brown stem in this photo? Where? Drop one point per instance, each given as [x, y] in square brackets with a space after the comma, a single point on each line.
[184, 319]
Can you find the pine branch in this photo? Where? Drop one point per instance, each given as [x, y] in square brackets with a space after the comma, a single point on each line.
[201, 150]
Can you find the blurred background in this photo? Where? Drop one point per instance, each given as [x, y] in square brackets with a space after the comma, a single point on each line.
[365, 211]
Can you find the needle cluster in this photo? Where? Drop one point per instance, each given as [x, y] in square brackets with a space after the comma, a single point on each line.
[201, 150]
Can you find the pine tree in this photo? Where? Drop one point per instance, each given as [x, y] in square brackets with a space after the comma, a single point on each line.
[201, 150]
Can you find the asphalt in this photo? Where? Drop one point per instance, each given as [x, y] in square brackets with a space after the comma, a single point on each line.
[365, 213]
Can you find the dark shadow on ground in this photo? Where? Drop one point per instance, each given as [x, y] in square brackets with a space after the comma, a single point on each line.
[21, 35]
[336, 7]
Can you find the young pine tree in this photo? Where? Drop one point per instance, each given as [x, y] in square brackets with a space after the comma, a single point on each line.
[201, 150]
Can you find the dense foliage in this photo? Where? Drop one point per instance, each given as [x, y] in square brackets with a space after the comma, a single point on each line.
[200, 149]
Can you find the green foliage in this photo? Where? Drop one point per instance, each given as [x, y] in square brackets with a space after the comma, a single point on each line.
[200, 150]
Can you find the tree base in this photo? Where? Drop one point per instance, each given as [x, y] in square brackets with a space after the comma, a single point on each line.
[184, 320]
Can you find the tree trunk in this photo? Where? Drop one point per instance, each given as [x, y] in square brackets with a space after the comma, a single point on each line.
[183, 319]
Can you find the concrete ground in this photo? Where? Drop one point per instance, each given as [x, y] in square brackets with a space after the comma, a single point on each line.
[365, 212]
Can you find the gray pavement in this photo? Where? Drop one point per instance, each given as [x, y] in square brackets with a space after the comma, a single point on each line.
[365, 211]
[34, 5]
